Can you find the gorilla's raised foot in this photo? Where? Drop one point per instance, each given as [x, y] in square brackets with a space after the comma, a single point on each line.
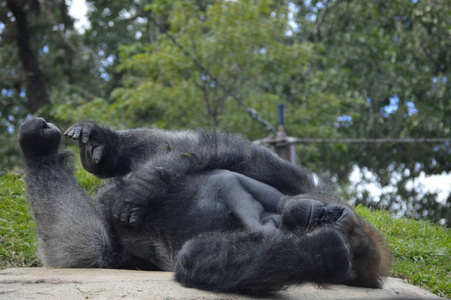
[38, 139]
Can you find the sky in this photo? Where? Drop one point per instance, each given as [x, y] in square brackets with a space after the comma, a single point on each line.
[78, 10]
[436, 183]
[441, 184]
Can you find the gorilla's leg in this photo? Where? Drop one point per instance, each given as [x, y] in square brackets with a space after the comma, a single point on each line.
[255, 263]
[251, 202]
[71, 229]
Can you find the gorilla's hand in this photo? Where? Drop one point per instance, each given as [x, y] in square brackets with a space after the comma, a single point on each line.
[148, 186]
[91, 142]
[37, 138]
[130, 207]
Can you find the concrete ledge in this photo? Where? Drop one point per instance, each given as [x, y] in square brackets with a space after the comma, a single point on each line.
[45, 283]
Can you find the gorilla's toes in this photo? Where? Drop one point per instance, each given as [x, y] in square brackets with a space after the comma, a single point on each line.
[38, 138]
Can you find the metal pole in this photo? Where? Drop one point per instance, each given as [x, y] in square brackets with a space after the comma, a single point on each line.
[285, 151]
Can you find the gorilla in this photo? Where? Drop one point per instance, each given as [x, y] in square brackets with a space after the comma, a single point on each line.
[220, 212]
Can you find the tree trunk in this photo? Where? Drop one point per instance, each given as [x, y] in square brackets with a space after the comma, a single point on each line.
[34, 79]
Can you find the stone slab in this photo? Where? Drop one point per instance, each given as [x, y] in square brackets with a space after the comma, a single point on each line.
[47, 283]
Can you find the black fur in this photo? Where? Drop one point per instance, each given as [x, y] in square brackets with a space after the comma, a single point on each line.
[222, 213]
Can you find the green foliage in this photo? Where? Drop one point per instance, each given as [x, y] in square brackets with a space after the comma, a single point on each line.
[243, 44]
[394, 57]
[421, 251]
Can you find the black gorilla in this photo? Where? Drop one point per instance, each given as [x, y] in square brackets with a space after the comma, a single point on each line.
[222, 213]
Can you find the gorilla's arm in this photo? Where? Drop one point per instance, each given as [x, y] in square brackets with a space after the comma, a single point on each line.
[108, 153]
[257, 264]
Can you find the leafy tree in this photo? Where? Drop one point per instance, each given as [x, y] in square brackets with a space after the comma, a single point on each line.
[396, 56]
[244, 47]
[43, 60]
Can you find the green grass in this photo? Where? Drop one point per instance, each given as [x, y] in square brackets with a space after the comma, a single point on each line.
[17, 238]
[421, 251]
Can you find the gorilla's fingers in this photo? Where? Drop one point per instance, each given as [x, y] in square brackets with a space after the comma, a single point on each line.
[85, 133]
[80, 131]
[76, 134]
[97, 154]
[73, 132]
[69, 132]
[125, 214]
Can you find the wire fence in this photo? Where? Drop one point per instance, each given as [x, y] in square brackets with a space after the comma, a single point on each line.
[292, 140]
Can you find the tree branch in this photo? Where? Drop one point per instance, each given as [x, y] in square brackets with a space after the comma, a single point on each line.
[52, 21]
[327, 8]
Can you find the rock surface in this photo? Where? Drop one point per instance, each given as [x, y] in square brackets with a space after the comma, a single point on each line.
[40, 283]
